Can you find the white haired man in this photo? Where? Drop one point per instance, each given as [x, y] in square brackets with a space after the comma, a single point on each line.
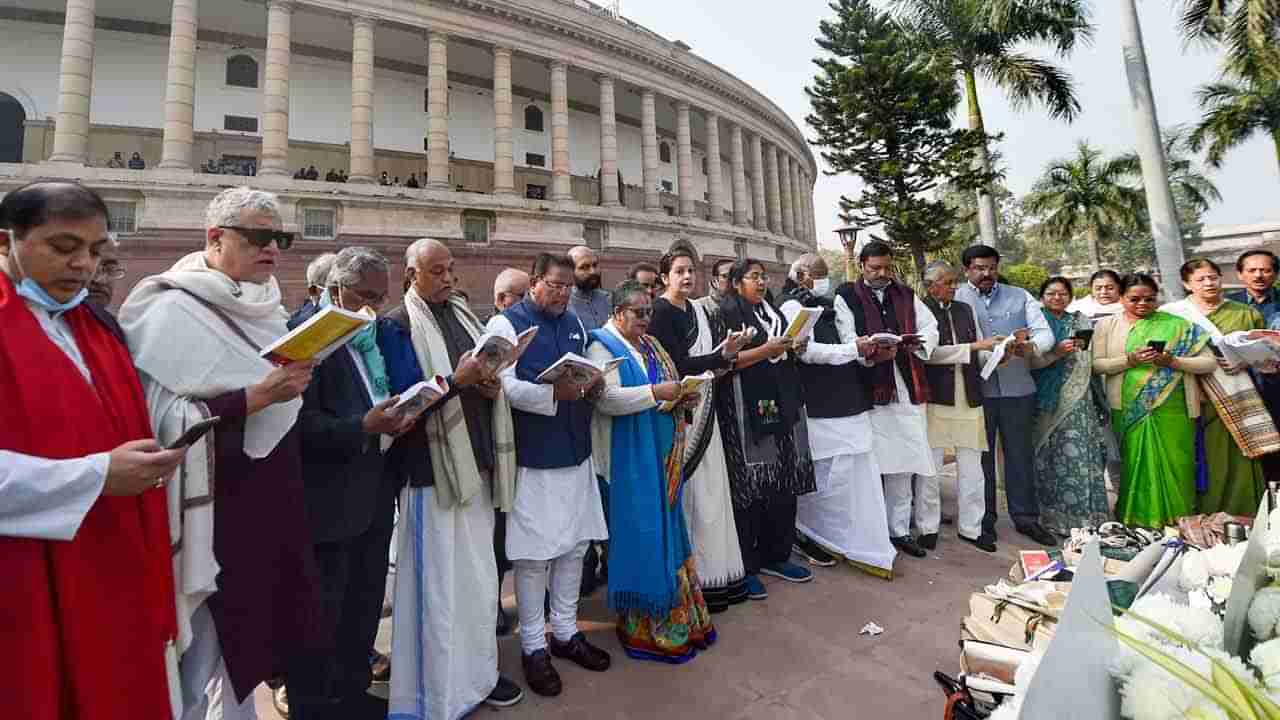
[247, 601]
[509, 288]
[459, 465]
[317, 278]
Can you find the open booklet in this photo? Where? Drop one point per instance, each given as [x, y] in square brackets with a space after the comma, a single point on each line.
[420, 396]
[1250, 347]
[997, 356]
[316, 339]
[497, 352]
[889, 339]
[802, 324]
[580, 371]
[689, 386]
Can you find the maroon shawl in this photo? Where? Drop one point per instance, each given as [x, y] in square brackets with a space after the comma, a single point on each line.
[884, 386]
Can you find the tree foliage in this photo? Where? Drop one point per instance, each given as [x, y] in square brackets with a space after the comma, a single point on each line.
[882, 111]
[1235, 110]
[1026, 276]
[1247, 30]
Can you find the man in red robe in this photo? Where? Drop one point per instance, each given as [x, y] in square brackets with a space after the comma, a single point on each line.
[87, 614]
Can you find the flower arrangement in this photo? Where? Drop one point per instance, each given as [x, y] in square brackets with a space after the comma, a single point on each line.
[1206, 575]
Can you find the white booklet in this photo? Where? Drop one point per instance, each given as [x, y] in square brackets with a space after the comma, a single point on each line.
[690, 385]
[1250, 347]
[497, 352]
[581, 371]
[997, 355]
[316, 339]
[420, 396]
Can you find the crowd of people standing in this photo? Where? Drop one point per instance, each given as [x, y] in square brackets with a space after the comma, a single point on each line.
[163, 575]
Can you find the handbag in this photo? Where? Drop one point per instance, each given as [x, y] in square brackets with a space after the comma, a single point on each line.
[960, 704]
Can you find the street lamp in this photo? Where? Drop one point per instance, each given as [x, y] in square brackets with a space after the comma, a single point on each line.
[849, 241]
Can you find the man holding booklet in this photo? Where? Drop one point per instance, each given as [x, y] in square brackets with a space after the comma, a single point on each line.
[557, 509]
[459, 464]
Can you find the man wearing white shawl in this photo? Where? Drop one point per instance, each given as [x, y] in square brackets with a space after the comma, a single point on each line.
[243, 569]
[459, 464]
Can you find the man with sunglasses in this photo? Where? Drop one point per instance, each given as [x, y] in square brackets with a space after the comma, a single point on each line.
[244, 571]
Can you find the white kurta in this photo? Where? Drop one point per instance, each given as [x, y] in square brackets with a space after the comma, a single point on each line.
[443, 643]
[555, 508]
[900, 429]
[846, 514]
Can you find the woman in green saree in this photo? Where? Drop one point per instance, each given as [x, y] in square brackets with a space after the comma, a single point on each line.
[1147, 357]
[1230, 480]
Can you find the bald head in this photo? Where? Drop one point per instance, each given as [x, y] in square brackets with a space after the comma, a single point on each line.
[509, 288]
[432, 262]
[807, 268]
[586, 268]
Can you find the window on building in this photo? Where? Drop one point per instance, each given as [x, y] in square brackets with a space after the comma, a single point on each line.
[671, 210]
[704, 166]
[593, 236]
[779, 254]
[535, 159]
[239, 123]
[122, 217]
[535, 192]
[533, 118]
[664, 152]
[667, 186]
[317, 223]
[426, 99]
[242, 71]
[475, 228]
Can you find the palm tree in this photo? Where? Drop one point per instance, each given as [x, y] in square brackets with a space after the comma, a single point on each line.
[1087, 195]
[1233, 113]
[1193, 191]
[983, 37]
[1249, 31]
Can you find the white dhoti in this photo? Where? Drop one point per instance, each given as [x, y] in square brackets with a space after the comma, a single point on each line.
[901, 431]
[443, 645]
[970, 490]
[846, 514]
[206, 687]
[708, 512]
[556, 513]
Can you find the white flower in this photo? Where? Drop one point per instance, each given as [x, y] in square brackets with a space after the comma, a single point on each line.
[1220, 588]
[1195, 571]
[1198, 598]
[1151, 693]
[1224, 559]
[1266, 657]
[1264, 613]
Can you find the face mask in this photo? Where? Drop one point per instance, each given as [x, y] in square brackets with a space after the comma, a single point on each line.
[821, 286]
[32, 291]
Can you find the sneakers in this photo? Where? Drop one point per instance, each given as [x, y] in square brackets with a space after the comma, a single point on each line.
[504, 694]
[280, 699]
[787, 571]
[581, 652]
[812, 552]
[540, 675]
[755, 588]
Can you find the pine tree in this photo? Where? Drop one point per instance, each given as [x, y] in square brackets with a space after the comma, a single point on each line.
[883, 113]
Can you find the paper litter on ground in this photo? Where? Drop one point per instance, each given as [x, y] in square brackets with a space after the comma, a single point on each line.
[871, 629]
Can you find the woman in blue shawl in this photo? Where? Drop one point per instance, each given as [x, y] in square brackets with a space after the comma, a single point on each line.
[1071, 425]
[638, 437]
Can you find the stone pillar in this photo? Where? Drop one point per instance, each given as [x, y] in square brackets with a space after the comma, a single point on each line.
[740, 197]
[797, 201]
[684, 160]
[362, 164]
[437, 110]
[715, 179]
[275, 91]
[504, 163]
[760, 214]
[180, 87]
[608, 145]
[785, 194]
[75, 84]
[804, 230]
[773, 190]
[649, 144]
[561, 180]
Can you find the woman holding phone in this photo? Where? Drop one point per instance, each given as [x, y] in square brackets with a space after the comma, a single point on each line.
[1145, 356]
[1071, 415]
[1231, 480]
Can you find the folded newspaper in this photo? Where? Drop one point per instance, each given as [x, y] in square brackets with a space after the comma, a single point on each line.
[497, 352]
[689, 386]
[420, 396]
[316, 339]
[1250, 347]
[579, 370]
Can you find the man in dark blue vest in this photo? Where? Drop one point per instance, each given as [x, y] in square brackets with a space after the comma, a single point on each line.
[557, 510]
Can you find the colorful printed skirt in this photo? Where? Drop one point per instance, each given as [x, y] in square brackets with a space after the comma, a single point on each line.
[676, 637]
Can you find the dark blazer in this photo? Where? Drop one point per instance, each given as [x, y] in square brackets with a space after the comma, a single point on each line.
[409, 458]
[347, 486]
[303, 313]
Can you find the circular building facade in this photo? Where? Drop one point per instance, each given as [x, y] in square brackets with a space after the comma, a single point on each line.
[528, 125]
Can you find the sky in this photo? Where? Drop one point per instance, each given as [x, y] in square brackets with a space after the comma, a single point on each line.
[771, 47]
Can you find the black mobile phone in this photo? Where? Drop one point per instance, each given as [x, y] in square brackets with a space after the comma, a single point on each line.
[194, 433]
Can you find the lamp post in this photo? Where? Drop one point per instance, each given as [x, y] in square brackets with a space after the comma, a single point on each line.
[1155, 176]
[849, 241]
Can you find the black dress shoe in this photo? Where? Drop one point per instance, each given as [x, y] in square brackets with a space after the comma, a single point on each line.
[540, 675]
[1039, 534]
[504, 694]
[908, 545]
[581, 652]
[504, 622]
[982, 542]
[812, 552]
[928, 542]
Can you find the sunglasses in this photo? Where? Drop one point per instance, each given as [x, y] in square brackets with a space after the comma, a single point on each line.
[262, 237]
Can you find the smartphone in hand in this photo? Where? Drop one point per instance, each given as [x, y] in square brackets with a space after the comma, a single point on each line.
[194, 433]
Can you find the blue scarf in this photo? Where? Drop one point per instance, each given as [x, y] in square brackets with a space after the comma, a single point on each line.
[1049, 380]
[366, 343]
[648, 540]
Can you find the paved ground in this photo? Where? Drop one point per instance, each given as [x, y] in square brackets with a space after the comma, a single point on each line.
[797, 655]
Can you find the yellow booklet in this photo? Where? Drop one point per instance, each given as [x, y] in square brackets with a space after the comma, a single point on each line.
[329, 329]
